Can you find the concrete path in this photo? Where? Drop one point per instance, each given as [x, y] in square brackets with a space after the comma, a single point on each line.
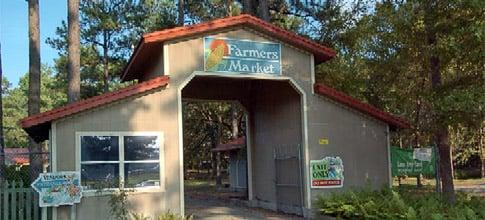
[210, 209]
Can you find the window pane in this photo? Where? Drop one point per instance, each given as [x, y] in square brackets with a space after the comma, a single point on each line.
[99, 148]
[141, 148]
[142, 174]
[99, 176]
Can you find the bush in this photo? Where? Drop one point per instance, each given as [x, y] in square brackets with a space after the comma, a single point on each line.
[390, 204]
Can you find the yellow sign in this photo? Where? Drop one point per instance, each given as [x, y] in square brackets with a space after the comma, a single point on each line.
[323, 141]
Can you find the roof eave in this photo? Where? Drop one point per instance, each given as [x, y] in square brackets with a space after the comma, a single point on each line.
[393, 121]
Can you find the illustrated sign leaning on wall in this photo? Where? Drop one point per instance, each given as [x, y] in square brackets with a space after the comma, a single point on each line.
[327, 172]
[60, 188]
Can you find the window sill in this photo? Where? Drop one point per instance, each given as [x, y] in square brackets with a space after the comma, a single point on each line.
[130, 191]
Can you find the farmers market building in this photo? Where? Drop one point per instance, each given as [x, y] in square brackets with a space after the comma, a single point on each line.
[303, 139]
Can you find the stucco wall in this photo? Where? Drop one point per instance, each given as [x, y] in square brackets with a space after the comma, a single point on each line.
[275, 122]
[151, 112]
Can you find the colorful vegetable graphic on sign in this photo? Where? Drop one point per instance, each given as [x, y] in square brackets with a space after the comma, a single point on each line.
[327, 173]
[218, 49]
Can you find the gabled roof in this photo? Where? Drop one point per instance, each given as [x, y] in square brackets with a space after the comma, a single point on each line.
[356, 104]
[150, 47]
[37, 126]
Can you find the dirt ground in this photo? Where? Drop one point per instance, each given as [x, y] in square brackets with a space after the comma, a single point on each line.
[216, 209]
[205, 201]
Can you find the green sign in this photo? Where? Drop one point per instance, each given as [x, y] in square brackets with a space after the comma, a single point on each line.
[327, 173]
[241, 56]
[412, 162]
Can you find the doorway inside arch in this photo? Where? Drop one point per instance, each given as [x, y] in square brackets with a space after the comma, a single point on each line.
[242, 139]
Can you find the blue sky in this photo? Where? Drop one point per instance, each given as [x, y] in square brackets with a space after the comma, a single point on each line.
[14, 34]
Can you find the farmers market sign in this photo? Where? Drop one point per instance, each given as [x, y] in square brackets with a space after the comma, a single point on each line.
[241, 56]
[60, 188]
[327, 173]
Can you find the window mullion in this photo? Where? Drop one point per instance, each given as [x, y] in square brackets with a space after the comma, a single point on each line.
[121, 161]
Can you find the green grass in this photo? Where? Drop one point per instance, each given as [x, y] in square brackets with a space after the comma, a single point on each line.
[432, 182]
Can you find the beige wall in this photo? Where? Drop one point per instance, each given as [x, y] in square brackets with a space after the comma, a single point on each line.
[151, 112]
[275, 122]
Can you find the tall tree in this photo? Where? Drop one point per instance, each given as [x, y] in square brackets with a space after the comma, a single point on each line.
[181, 13]
[74, 71]
[34, 82]
[263, 10]
[249, 7]
[441, 133]
[109, 30]
[2, 142]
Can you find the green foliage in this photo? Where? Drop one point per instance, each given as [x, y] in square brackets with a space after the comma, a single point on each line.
[121, 210]
[17, 173]
[110, 30]
[118, 202]
[205, 125]
[15, 105]
[401, 204]
[171, 216]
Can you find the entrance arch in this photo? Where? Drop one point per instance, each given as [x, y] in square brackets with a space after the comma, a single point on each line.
[276, 134]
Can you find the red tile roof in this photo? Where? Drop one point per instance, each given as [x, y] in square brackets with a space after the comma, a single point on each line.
[149, 46]
[35, 124]
[234, 144]
[354, 103]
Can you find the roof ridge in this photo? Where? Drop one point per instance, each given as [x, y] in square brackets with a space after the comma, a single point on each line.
[149, 42]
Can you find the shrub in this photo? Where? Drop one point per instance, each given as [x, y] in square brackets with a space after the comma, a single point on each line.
[389, 204]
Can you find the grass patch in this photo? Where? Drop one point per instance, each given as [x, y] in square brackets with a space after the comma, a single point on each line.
[399, 204]
[432, 182]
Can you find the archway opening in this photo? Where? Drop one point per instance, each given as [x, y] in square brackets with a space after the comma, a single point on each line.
[262, 163]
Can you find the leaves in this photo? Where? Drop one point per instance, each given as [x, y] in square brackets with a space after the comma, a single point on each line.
[366, 203]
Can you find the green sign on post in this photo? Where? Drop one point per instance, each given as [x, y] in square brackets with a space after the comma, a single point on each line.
[412, 162]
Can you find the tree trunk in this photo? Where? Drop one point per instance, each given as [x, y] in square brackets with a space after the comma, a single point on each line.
[442, 140]
[74, 75]
[2, 143]
[441, 133]
[218, 154]
[249, 7]
[34, 83]
[218, 169]
[263, 10]
[234, 121]
[105, 63]
[482, 154]
[181, 13]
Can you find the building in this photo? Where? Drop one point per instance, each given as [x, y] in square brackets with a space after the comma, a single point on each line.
[301, 135]
[237, 169]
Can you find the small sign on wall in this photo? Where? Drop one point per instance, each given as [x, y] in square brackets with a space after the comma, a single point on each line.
[323, 141]
[327, 173]
[241, 56]
[59, 188]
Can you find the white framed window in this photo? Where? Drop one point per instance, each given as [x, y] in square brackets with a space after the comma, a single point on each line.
[112, 160]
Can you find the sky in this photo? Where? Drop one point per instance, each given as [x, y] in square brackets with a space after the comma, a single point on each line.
[14, 37]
